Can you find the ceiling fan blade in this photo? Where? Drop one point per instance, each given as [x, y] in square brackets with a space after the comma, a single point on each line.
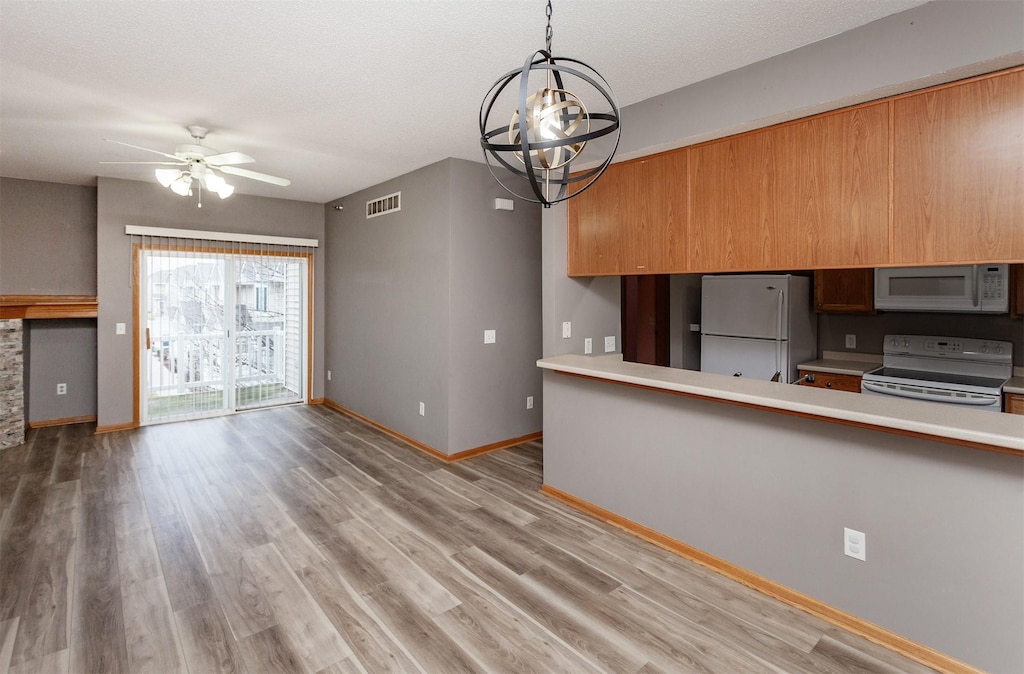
[158, 163]
[145, 149]
[245, 173]
[229, 158]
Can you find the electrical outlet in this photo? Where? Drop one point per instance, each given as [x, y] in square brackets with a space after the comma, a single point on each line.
[328, 375]
[566, 329]
[423, 410]
[62, 389]
[489, 336]
[588, 345]
[855, 544]
[529, 402]
[120, 328]
[851, 341]
[609, 344]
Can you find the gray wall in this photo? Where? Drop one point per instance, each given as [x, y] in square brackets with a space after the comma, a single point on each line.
[48, 247]
[387, 303]
[47, 238]
[60, 350]
[409, 295]
[126, 202]
[495, 285]
[772, 493]
[933, 43]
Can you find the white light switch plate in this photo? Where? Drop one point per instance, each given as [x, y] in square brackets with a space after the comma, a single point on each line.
[588, 345]
[609, 344]
[119, 328]
[566, 329]
[489, 336]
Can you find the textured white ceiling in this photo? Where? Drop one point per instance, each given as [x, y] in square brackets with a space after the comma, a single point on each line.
[343, 94]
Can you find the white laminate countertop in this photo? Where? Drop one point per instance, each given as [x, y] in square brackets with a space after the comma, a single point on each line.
[1014, 385]
[856, 368]
[942, 422]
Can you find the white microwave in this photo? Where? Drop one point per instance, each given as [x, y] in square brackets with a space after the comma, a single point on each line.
[975, 288]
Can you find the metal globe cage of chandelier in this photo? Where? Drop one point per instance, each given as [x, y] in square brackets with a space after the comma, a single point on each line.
[550, 126]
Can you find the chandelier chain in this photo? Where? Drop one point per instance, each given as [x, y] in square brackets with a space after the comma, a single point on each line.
[547, 32]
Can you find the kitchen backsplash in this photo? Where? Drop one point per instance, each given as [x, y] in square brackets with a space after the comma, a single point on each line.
[871, 329]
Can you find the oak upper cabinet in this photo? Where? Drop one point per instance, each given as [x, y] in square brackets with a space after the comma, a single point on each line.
[809, 194]
[632, 221]
[958, 172]
[844, 291]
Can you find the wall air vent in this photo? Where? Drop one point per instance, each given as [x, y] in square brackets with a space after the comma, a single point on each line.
[384, 205]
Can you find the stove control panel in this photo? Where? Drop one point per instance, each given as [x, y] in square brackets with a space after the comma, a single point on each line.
[943, 346]
[959, 348]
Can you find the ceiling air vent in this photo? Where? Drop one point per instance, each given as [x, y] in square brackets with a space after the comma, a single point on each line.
[388, 204]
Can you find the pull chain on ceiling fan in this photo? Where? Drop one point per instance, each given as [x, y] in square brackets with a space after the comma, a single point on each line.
[200, 165]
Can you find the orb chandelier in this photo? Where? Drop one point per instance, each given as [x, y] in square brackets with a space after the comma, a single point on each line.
[550, 126]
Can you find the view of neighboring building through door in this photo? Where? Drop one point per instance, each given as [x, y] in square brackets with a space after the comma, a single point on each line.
[220, 331]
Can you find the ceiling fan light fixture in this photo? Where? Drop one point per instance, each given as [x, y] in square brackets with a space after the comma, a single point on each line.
[214, 182]
[167, 176]
[226, 190]
[182, 186]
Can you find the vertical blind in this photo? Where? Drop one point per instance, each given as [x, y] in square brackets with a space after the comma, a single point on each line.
[223, 321]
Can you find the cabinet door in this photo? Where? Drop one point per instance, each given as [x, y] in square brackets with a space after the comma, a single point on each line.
[1016, 290]
[632, 221]
[812, 193]
[958, 173]
[844, 291]
[596, 220]
[836, 382]
[660, 228]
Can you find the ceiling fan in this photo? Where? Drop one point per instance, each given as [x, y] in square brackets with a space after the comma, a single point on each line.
[200, 165]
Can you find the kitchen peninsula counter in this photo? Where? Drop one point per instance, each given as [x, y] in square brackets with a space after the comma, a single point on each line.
[982, 430]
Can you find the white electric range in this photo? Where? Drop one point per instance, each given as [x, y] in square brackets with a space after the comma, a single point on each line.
[947, 370]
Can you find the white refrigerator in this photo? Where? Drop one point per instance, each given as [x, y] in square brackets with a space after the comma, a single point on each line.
[754, 325]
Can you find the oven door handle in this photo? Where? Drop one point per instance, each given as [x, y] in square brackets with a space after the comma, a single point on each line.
[884, 390]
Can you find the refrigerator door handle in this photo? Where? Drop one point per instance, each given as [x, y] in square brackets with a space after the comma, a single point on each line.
[778, 333]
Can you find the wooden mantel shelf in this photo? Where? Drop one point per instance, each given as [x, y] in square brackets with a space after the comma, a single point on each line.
[48, 306]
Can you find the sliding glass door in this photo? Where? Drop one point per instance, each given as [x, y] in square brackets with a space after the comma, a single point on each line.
[222, 331]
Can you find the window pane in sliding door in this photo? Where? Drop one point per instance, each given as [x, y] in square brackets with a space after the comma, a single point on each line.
[186, 339]
[269, 327]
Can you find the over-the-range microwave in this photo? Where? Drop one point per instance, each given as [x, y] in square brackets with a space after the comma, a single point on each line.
[976, 288]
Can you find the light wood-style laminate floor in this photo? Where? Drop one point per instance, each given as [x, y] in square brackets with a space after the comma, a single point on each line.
[300, 540]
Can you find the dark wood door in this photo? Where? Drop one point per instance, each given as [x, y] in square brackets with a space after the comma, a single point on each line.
[645, 319]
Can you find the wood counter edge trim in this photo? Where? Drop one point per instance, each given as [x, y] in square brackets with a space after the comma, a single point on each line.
[48, 306]
[808, 415]
[862, 628]
[67, 421]
[427, 449]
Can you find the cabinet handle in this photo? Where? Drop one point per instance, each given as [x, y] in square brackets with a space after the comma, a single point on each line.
[640, 266]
